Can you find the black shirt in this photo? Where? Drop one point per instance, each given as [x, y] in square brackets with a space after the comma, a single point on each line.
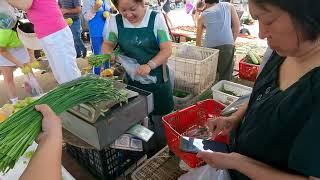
[282, 128]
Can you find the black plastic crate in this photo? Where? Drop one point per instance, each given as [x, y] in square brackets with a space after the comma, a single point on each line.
[108, 163]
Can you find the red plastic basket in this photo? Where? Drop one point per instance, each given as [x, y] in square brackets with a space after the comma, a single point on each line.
[248, 71]
[179, 122]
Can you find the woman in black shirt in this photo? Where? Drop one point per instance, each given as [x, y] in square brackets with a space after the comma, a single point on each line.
[277, 131]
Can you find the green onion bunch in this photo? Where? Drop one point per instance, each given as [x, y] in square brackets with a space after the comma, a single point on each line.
[20, 129]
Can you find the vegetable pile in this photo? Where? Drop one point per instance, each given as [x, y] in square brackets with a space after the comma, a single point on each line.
[21, 128]
[98, 60]
[228, 92]
[253, 58]
[180, 94]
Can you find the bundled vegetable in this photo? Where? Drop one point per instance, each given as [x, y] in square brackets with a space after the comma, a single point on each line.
[20, 129]
[98, 60]
[253, 58]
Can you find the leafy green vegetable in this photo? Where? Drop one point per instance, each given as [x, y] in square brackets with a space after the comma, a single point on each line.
[98, 60]
[19, 131]
[228, 92]
[29, 154]
[180, 94]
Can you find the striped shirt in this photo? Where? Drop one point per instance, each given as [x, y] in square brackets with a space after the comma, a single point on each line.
[70, 4]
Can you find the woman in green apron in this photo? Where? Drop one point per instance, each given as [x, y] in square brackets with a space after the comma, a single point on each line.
[143, 35]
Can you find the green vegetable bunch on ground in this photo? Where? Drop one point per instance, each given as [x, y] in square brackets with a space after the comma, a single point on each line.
[98, 60]
[20, 129]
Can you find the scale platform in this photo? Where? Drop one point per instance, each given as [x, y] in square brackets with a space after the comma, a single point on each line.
[101, 124]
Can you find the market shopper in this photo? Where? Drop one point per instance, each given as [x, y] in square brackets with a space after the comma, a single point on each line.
[197, 10]
[12, 54]
[46, 161]
[96, 12]
[222, 26]
[72, 9]
[142, 34]
[166, 10]
[275, 132]
[55, 36]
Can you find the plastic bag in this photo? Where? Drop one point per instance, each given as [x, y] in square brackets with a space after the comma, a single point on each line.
[131, 65]
[8, 18]
[206, 173]
[32, 86]
[171, 74]
[188, 52]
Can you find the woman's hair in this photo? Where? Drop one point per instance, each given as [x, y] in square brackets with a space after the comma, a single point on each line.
[200, 4]
[116, 2]
[211, 1]
[304, 13]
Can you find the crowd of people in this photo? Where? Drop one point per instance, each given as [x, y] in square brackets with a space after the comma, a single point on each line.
[273, 135]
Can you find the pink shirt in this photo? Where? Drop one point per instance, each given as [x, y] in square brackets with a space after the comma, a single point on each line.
[46, 17]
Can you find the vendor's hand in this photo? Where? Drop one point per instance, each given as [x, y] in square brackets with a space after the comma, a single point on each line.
[51, 123]
[143, 70]
[64, 11]
[113, 9]
[220, 160]
[96, 6]
[20, 65]
[221, 125]
[113, 58]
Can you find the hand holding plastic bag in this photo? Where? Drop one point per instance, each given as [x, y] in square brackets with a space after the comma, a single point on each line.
[131, 65]
[8, 18]
[32, 86]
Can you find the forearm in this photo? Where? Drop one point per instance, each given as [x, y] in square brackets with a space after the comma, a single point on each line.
[162, 57]
[107, 47]
[199, 34]
[200, 26]
[76, 10]
[21, 4]
[46, 161]
[6, 54]
[260, 171]
[238, 115]
[235, 34]
[31, 54]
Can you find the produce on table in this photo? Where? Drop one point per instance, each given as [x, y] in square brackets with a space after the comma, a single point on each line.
[253, 58]
[106, 14]
[26, 69]
[187, 28]
[247, 21]
[107, 72]
[98, 60]
[21, 128]
[99, 2]
[69, 21]
[8, 109]
[35, 64]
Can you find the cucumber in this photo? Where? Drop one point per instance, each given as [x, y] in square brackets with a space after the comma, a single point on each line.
[258, 57]
[253, 58]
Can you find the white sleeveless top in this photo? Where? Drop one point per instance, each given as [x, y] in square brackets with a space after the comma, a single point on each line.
[217, 20]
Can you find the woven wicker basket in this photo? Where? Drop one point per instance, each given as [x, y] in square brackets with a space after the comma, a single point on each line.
[195, 70]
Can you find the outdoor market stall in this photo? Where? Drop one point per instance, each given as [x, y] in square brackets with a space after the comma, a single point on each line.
[100, 138]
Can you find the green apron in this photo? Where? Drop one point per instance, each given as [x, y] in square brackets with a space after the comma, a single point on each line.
[142, 45]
